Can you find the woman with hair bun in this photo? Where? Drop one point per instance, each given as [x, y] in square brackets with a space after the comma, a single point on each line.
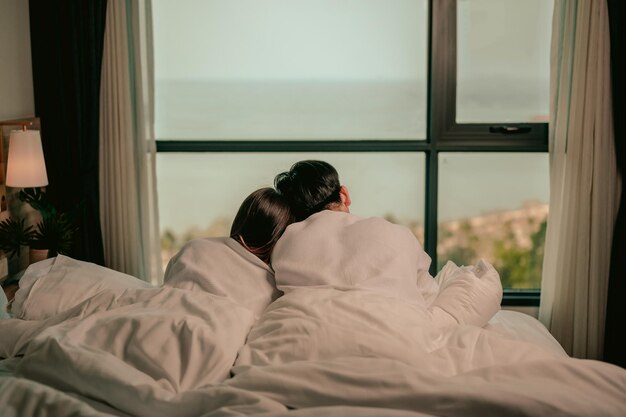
[312, 186]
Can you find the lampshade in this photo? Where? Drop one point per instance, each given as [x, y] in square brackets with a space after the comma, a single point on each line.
[26, 167]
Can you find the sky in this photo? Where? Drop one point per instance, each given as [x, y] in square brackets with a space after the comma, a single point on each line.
[290, 39]
[341, 39]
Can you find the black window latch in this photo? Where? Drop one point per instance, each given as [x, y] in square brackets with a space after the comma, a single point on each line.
[508, 130]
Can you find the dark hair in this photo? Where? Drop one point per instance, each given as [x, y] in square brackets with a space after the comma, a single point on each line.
[260, 222]
[309, 187]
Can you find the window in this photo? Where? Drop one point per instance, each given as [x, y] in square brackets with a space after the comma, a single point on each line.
[503, 61]
[433, 112]
[493, 206]
[277, 70]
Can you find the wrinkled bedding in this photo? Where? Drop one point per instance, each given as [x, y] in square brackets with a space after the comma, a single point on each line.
[354, 347]
[342, 344]
[157, 345]
[228, 271]
[73, 369]
[324, 324]
[329, 347]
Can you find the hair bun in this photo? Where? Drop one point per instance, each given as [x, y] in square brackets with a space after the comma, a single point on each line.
[283, 182]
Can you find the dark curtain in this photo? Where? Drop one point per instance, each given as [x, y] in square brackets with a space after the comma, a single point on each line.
[615, 329]
[67, 39]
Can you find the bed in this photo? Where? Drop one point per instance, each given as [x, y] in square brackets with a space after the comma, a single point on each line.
[226, 338]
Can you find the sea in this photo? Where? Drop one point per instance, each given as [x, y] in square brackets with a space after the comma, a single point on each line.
[199, 190]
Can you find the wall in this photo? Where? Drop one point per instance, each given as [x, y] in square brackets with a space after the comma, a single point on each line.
[16, 79]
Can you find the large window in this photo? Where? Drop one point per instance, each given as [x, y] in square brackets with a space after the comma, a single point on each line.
[433, 112]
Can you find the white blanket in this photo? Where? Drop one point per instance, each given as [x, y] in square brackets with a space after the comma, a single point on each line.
[339, 250]
[325, 324]
[163, 346]
[328, 347]
[223, 267]
[331, 353]
[341, 336]
[549, 387]
[336, 249]
[340, 344]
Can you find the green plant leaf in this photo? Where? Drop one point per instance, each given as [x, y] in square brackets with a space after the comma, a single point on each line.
[13, 235]
[56, 230]
[55, 234]
[38, 200]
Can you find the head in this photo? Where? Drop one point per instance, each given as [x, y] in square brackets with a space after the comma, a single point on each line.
[260, 222]
[312, 186]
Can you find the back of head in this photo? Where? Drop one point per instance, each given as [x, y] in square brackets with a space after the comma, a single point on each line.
[309, 187]
[260, 222]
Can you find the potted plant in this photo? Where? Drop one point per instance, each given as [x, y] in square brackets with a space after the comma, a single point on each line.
[54, 235]
[55, 232]
[14, 240]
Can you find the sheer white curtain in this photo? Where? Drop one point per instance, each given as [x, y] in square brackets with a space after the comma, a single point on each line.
[583, 179]
[128, 203]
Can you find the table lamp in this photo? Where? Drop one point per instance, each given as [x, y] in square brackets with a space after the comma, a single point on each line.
[26, 167]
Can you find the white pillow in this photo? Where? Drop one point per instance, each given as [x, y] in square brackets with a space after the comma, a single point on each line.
[52, 286]
[338, 249]
[221, 266]
[524, 327]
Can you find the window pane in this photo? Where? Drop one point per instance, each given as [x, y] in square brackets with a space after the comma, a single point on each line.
[290, 69]
[503, 60]
[494, 206]
[199, 193]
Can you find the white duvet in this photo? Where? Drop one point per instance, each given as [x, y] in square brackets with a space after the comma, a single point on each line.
[148, 352]
[339, 250]
[345, 345]
[421, 346]
[330, 347]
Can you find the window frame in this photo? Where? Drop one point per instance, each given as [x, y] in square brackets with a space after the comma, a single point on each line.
[446, 135]
[443, 134]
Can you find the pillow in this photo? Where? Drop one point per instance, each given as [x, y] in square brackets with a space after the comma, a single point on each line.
[54, 285]
[521, 326]
[221, 266]
[338, 249]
